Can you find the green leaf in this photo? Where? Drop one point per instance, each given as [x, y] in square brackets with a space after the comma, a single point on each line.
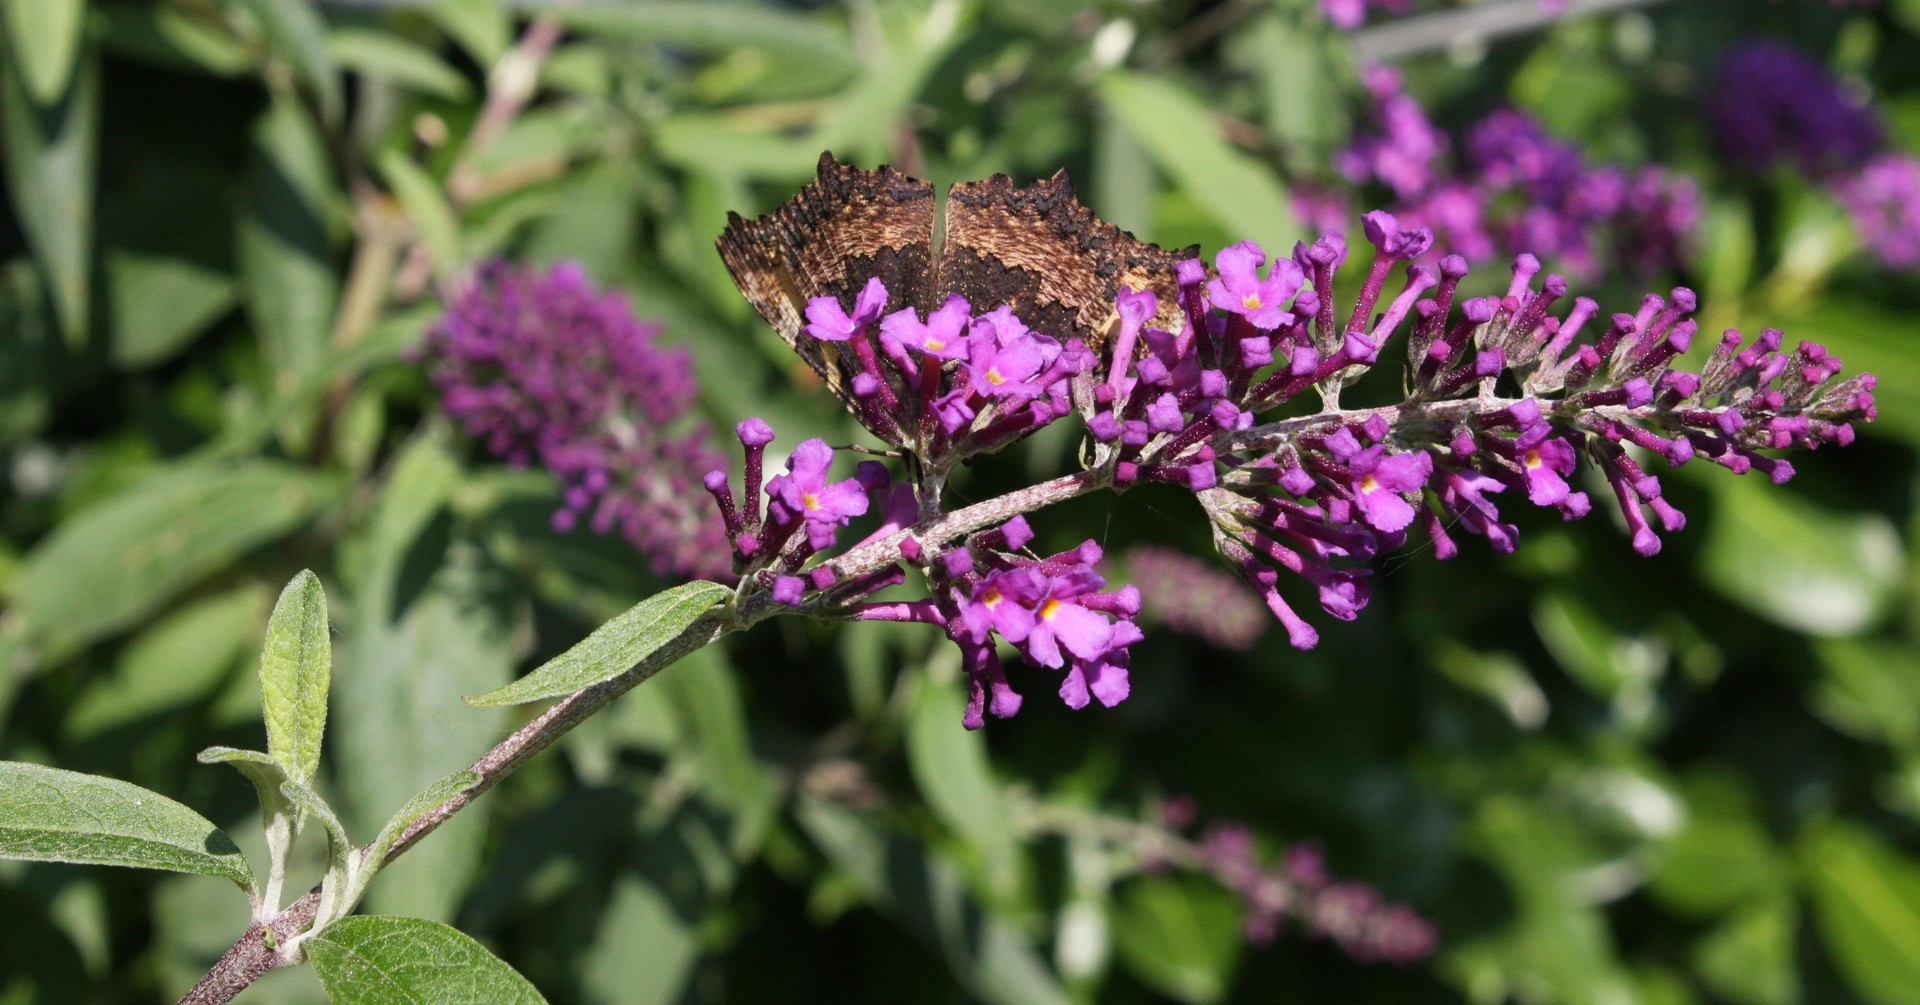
[285, 243]
[432, 217]
[389, 57]
[1750, 958]
[1238, 191]
[296, 669]
[295, 29]
[50, 815]
[991, 959]
[181, 658]
[168, 36]
[406, 659]
[46, 40]
[112, 563]
[710, 25]
[159, 303]
[51, 153]
[482, 27]
[415, 808]
[1866, 897]
[1827, 573]
[340, 848]
[278, 819]
[950, 769]
[642, 636]
[375, 960]
[1180, 935]
[1722, 857]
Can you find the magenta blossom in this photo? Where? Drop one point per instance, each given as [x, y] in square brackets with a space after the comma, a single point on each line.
[1239, 288]
[804, 492]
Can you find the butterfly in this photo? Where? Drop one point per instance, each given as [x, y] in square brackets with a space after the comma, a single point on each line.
[1035, 249]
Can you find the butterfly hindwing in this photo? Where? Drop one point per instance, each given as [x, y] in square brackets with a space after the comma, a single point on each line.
[1038, 250]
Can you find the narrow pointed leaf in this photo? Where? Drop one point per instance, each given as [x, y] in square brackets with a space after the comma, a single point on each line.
[656, 630]
[50, 155]
[1243, 196]
[295, 670]
[295, 29]
[417, 807]
[46, 37]
[433, 219]
[284, 241]
[1866, 897]
[339, 846]
[373, 960]
[51, 815]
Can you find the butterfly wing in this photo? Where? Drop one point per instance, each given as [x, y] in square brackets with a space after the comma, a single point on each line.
[1041, 252]
[844, 227]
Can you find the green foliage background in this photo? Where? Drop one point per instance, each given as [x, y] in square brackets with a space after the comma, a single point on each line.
[1694, 778]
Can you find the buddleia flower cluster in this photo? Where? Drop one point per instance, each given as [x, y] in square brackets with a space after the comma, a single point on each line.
[1509, 187]
[1771, 104]
[1508, 396]
[543, 369]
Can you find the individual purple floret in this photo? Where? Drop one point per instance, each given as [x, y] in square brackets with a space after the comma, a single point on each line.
[1195, 596]
[1769, 102]
[1313, 497]
[542, 368]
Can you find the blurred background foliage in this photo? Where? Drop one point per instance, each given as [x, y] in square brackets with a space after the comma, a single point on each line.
[1605, 779]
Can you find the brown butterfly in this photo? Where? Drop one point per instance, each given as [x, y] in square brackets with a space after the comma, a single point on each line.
[1034, 249]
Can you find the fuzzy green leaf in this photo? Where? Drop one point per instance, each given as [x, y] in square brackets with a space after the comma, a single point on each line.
[372, 960]
[51, 815]
[46, 36]
[641, 634]
[295, 670]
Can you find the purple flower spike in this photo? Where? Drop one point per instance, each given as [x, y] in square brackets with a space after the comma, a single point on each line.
[542, 368]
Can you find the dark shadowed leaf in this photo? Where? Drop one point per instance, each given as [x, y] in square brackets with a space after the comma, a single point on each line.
[51, 153]
[51, 815]
[1179, 935]
[991, 959]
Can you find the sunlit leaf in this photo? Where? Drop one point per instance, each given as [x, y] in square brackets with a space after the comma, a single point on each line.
[1243, 195]
[1825, 572]
[111, 563]
[51, 815]
[296, 670]
[46, 40]
[950, 768]
[374, 960]
[379, 54]
[298, 33]
[285, 244]
[160, 303]
[1179, 935]
[1867, 899]
[647, 628]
